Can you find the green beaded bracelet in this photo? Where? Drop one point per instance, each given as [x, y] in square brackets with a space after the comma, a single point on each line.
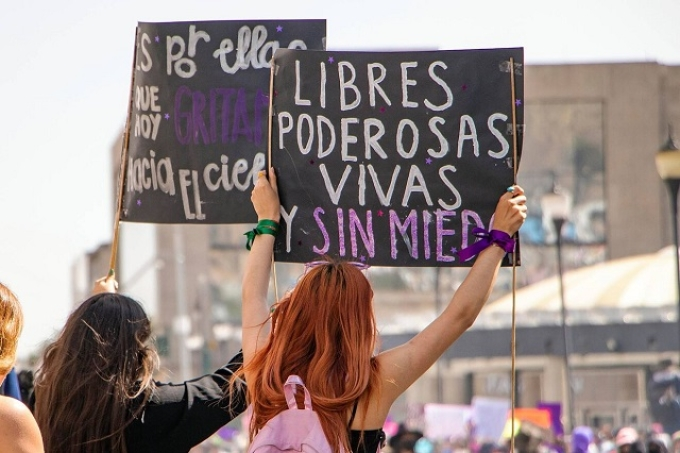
[263, 227]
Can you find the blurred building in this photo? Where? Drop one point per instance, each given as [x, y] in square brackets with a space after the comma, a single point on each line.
[595, 130]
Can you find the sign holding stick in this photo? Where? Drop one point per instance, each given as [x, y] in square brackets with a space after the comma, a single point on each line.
[121, 170]
[392, 158]
[198, 129]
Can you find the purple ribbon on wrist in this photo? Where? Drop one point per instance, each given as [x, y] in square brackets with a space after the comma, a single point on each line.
[487, 238]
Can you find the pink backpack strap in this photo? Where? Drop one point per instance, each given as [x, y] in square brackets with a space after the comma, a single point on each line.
[289, 391]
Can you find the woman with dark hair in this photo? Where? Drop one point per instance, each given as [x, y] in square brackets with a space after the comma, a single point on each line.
[19, 432]
[95, 390]
[324, 331]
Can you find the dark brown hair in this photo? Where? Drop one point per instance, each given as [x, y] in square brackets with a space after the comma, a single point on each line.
[96, 377]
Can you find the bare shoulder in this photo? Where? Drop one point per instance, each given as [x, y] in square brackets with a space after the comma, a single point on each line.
[18, 429]
[14, 413]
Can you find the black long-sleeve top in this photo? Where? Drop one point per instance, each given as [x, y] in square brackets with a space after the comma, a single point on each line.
[180, 416]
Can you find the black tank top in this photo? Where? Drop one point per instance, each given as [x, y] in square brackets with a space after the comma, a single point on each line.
[372, 440]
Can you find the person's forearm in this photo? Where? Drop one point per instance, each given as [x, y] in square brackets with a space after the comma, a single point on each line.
[477, 286]
[468, 300]
[255, 314]
[254, 293]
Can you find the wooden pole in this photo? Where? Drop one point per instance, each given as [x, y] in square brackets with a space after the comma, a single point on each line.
[123, 166]
[269, 157]
[513, 330]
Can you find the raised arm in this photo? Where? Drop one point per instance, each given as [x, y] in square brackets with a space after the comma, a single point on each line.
[255, 312]
[401, 366]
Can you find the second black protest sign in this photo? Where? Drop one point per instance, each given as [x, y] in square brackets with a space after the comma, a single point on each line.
[392, 158]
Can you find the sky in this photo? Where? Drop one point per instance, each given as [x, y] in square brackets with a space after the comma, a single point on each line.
[65, 82]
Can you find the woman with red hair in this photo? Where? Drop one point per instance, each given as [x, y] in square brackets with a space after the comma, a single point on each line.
[324, 331]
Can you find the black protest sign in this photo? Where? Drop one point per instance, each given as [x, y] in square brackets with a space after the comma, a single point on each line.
[392, 158]
[199, 118]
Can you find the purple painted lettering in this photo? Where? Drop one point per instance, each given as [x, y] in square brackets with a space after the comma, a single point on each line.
[322, 228]
[198, 105]
[470, 220]
[441, 232]
[365, 233]
[411, 222]
[427, 221]
[183, 126]
[341, 232]
[223, 115]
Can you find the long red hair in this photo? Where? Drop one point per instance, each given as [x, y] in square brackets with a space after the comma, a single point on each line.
[324, 331]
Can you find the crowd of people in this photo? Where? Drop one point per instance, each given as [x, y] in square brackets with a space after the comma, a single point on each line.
[604, 439]
[95, 391]
[530, 438]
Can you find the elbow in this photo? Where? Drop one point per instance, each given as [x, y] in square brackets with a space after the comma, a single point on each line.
[468, 317]
[467, 322]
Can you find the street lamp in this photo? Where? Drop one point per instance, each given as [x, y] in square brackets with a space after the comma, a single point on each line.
[556, 205]
[668, 166]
